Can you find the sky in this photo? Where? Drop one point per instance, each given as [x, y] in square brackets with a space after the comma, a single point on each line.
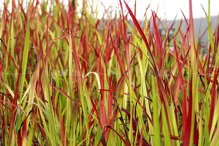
[166, 9]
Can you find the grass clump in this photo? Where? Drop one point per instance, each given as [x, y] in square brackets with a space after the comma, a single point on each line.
[70, 79]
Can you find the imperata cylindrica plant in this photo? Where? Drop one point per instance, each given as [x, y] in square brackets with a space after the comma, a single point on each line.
[68, 77]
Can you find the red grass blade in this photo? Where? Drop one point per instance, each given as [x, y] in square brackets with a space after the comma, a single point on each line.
[63, 135]
[138, 27]
[191, 25]
[158, 42]
[123, 21]
[119, 59]
[24, 131]
[102, 99]
[109, 49]
[188, 124]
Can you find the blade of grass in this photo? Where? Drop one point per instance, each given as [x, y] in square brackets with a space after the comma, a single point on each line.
[24, 60]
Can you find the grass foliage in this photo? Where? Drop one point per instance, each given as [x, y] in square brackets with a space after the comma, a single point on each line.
[73, 80]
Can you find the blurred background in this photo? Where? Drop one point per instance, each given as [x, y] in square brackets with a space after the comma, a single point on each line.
[166, 9]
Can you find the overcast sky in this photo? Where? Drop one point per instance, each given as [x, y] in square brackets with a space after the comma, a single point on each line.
[165, 8]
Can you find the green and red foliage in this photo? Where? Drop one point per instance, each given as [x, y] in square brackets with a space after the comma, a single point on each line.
[73, 79]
